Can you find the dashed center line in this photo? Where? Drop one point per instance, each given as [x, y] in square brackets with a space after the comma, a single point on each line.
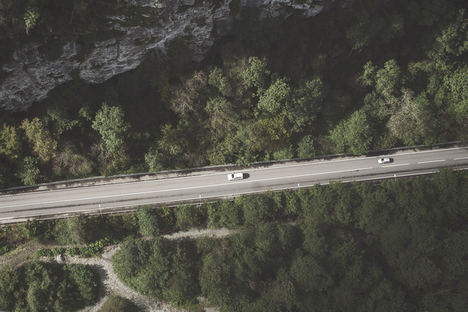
[184, 188]
[431, 161]
[460, 158]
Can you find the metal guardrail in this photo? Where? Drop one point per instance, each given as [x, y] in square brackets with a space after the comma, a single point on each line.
[204, 201]
[99, 180]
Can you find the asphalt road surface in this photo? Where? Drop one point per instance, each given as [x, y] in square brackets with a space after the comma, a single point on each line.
[104, 198]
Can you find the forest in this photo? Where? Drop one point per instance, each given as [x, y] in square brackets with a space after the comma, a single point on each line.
[362, 75]
[41, 286]
[399, 245]
[368, 75]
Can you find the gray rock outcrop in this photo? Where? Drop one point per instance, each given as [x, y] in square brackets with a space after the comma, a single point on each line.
[30, 75]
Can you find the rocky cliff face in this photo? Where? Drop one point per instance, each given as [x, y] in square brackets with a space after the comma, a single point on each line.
[30, 74]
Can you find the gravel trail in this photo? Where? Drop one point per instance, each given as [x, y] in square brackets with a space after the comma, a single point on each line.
[112, 284]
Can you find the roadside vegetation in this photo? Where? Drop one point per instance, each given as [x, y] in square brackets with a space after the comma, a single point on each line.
[399, 245]
[394, 245]
[372, 75]
[84, 236]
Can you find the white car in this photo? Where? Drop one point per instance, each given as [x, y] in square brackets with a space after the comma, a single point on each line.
[235, 176]
[384, 160]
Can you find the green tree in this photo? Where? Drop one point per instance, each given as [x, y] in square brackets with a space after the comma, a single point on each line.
[35, 297]
[215, 278]
[284, 153]
[85, 281]
[275, 98]
[255, 73]
[29, 173]
[283, 291]
[451, 43]
[292, 204]
[160, 268]
[9, 142]
[62, 121]
[258, 209]
[213, 214]
[44, 144]
[187, 216]
[310, 275]
[388, 79]
[230, 214]
[182, 287]
[172, 141]
[352, 135]
[217, 79]
[155, 160]
[271, 133]
[109, 122]
[42, 286]
[148, 221]
[457, 83]
[368, 76]
[305, 147]
[222, 115]
[306, 104]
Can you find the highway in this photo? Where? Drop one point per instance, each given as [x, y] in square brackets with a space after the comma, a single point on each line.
[214, 184]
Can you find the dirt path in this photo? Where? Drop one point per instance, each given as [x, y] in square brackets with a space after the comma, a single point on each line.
[197, 233]
[103, 265]
[112, 284]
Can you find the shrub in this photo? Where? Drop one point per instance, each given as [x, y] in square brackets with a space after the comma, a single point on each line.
[74, 230]
[118, 304]
[187, 216]
[154, 221]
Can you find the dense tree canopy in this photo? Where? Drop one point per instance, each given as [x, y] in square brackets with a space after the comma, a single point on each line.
[398, 245]
[160, 269]
[37, 286]
[371, 75]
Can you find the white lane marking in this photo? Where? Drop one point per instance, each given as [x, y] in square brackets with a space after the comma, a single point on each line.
[185, 188]
[431, 161]
[396, 165]
[234, 194]
[460, 158]
[164, 179]
[273, 167]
